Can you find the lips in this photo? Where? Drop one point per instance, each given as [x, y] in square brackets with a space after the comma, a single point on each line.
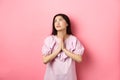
[58, 26]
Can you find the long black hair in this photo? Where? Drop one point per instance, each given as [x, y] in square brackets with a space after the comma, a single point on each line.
[54, 31]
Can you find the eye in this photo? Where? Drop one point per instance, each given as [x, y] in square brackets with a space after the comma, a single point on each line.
[55, 20]
[60, 19]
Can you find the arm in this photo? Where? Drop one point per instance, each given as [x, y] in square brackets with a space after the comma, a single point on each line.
[50, 57]
[75, 57]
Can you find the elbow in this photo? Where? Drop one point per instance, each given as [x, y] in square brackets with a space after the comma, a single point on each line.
[45, 61]
[79, 60]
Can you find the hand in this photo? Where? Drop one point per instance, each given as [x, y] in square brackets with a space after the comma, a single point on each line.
[61, 44]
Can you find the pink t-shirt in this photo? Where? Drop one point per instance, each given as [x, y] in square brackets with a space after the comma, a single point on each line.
[62, 67]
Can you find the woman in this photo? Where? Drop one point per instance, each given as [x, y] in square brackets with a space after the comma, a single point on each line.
[61, 50]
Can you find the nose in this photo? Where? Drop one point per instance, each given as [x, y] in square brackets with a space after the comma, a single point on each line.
[57, 22]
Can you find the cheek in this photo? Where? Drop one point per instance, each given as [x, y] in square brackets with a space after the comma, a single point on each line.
[55, 24]
[64, 24]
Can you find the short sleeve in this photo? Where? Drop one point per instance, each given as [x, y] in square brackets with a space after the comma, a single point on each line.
[78, 48]
[48, 45]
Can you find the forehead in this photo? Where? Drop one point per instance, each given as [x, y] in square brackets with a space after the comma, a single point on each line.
[59, 17]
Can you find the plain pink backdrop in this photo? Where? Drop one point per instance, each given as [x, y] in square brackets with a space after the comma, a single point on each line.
[25, 23]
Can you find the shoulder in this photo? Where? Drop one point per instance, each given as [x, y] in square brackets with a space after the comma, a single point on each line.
[74, 38]
[49, 38]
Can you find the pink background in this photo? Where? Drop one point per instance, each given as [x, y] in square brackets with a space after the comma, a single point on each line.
[25, 23]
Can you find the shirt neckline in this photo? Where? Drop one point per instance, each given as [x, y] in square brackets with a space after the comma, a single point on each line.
[65, 39]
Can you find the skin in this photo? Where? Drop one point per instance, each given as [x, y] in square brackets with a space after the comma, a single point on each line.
[61, 25]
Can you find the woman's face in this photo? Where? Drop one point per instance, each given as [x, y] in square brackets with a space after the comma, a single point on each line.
[60, 23]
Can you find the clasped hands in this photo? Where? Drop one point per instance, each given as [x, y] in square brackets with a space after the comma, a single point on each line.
[61, 46]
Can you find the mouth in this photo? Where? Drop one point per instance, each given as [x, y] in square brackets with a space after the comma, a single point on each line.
[58, 26]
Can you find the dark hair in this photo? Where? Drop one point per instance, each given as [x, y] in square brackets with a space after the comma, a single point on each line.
[54, 31]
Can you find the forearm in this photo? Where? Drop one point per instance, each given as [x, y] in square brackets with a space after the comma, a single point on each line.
[50, 57]
[75, 57]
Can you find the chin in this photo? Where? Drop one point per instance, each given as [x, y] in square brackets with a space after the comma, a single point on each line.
[60, 29]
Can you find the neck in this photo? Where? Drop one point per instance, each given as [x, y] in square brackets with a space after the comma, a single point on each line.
[62, 33]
